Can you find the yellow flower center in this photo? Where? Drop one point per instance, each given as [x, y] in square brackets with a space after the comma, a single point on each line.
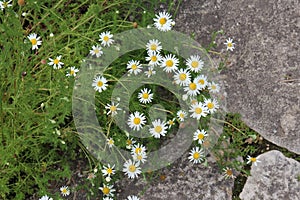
[128, 142]
[138, 150]
[169, 63]
[162, 21]
[153, 47]
[139, 157]
[229, 44]
[113, 108]
[193, 86]
[213, 87]
[229, 172]
[136, 121]
[134, 67]
[100, 83]
[198, 110]
[56, 61]
[109, 170]
[181, 115]
[200, 136]
[153, 58]
[5, 4]
[182, 77]
[132, 168]
[194, 64]
[106, 38]
[201, 81]
[33, 41]
[64, 190]
[253, 159]
[72, 72]
[210, 105]
[145, 96]
[105, 190]
[110, 141]
[196, 155]
[171, 122]
[96, 51]
[158, 129]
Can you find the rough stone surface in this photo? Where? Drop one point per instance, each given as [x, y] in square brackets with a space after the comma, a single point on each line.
[275, 177]
[263, 79]
[183, 181]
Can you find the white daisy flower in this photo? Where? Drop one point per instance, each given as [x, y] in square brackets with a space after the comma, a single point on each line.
[150, 72]
[139, 157]
[56, 62]
[130, 142]
[145, 96]
[107, 190]
[72, 71]
[106, 38]
[112, 108]
[138, 149]
[192, 89]
[212, 105]
[229, 44]
[132, 198]
[110, 142]
[154, 58]
[169, 63]
[159, 128]
[228, 173]
[163, 21]
[213, 87]
[202, 81]
[198, 110]
[107, 198]
[196, 155]
[65, 190]
[131, 169]
[100, 83]
[171, 122]
[35, 41]
[194, 63]
[182, 77]
[200, 136]
[153, 46]
[136, 120]
[96, 51]
[253, 160]
[45, 197]
[181, 115]
[134, 67]
[108, 171]
[5, 4]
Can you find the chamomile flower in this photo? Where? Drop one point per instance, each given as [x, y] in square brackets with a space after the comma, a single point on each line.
[131, 169]
[72, 71]
[138, 149]
[108, 170]
[136, 120]
[140, 157]
[228, 173]
[192, 89]
[45, 197]
[100, 83]
[110, 142]
[134, 67]
[150, 71]
[200, 136]
[159, 128]
[169, 63]
[198, 110]
[65, 190]
[213, 87]
[5, 4]
[171, 122]
[196, 155]
[211, 104]
[154, 58]
[106, 38]
[182, 77]
[96, 51]
[132, 198]
[107, 198]
[145, 96]
[107, 190]
[202, 81]
[56, 63]
[130, 142]
[113, 109]
[35, 40]
[253, 160]
[229, 44]
[181, 115]
[153, 46]
[194, 63]
[163, 21]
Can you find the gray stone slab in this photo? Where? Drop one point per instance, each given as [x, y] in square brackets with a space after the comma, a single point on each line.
[275, 177]
[263, 79]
